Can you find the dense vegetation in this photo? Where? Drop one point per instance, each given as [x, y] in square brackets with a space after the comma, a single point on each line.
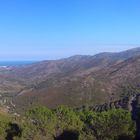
[64, 123]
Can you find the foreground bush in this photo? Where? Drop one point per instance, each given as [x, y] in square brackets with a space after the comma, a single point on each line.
[110, 125]
[64, 123]
[4, 121]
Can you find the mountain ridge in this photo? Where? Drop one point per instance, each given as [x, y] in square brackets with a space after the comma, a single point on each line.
[72, 81]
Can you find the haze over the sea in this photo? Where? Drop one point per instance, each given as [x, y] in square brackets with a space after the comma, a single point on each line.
[15, 63]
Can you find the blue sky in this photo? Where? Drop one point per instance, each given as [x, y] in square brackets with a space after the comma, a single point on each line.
[51, 29]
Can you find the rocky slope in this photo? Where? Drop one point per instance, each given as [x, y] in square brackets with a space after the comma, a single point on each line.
[73, 81]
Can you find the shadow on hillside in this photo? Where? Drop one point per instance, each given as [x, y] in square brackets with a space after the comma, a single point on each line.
[13, 131]
[68, 135]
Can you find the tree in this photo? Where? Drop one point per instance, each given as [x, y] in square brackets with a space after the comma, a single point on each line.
[111, 124]
[67, 119]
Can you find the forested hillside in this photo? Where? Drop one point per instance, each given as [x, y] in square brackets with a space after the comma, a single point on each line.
[64, 123]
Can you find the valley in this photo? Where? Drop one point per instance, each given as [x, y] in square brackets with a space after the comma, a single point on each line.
[80, 97]
[74, 81]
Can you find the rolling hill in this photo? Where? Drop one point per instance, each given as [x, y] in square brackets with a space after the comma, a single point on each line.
[73, 81]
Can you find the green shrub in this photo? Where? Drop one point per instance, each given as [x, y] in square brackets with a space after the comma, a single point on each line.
[111, 124]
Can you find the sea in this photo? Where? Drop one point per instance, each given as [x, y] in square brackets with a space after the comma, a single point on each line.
[15, 63]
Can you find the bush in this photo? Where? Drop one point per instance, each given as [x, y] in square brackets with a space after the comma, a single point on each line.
[41, 123]
[110, 125]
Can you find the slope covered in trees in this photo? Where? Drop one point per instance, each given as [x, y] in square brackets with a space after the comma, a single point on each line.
[64, 123]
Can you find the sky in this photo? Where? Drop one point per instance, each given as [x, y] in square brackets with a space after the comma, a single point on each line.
[52, 29]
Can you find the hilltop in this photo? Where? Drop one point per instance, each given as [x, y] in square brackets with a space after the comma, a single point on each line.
[73, 81]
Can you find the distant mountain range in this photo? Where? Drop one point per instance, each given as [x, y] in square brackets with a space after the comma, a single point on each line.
[73, 81]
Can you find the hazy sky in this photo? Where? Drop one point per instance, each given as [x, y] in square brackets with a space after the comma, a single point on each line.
[50, 29]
